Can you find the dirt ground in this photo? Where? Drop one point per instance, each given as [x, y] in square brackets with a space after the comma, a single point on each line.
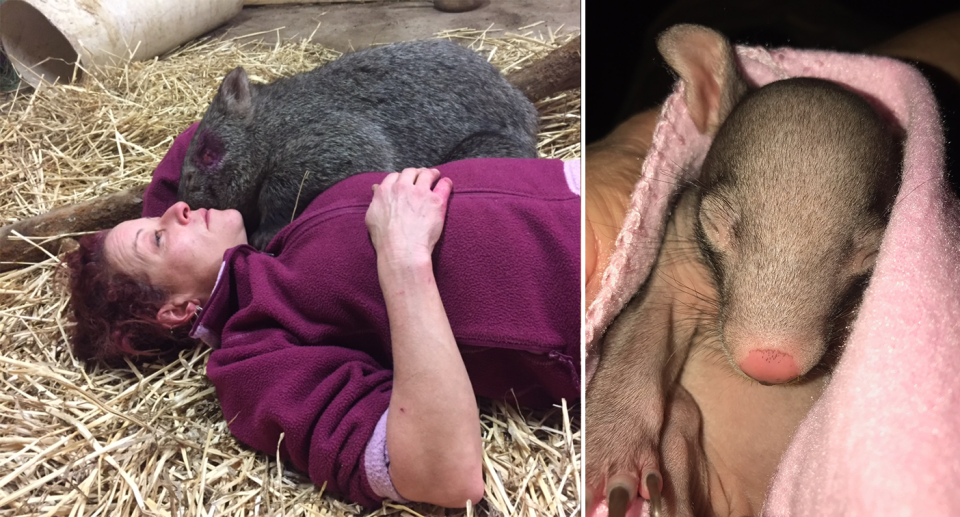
[352, 26]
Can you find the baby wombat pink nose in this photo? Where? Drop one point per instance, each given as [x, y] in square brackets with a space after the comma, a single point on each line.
[770, 366]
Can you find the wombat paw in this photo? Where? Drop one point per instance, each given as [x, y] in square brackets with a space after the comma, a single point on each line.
[620, 452]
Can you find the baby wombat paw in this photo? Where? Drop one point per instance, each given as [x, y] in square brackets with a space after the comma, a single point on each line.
[621, 450]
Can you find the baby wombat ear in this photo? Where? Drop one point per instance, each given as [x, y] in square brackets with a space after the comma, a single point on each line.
[234, 94]
[707, 66]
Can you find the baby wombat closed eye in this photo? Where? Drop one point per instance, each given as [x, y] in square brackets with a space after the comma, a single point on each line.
[268, 150]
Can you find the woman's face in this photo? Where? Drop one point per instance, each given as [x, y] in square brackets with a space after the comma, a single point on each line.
[179, 252]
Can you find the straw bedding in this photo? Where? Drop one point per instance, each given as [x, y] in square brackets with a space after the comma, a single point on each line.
[150, 439]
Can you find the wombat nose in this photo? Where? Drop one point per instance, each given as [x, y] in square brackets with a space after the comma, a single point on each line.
[770, 366]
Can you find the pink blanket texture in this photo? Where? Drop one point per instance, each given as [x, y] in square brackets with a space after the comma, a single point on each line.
[884, 439]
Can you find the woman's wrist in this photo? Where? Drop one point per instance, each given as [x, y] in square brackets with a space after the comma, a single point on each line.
[404, 266]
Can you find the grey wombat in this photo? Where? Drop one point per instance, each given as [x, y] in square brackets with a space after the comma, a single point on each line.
[268, 150]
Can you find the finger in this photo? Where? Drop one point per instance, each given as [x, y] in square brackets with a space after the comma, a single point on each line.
[621, 492]
[427, 177]
[389, 180]
[409, 175]
[443, 188]
[374, 187]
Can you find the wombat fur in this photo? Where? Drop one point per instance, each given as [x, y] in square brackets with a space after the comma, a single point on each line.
[767, 254]
[268, 150]
[797, 189]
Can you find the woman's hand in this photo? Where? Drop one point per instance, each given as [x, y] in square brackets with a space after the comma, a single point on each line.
[406, 215]
[613, 168]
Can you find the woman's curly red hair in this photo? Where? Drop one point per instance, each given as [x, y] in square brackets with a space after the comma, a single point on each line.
[115, 314]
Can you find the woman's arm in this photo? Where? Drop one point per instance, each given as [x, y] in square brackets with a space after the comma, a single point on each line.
[433, 426]
[318, 404]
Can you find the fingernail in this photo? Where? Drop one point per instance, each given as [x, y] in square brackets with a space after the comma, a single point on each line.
[653, 487]
[617, 500]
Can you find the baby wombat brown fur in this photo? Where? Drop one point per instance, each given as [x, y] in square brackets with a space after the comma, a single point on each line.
[797, 188]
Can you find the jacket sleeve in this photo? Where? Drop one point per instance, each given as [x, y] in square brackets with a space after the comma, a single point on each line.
[325, 400]
[161, 193]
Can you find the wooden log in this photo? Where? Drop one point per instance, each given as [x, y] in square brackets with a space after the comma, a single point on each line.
[67, 221]
[557, 71]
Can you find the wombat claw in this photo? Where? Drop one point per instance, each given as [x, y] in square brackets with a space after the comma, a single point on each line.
[653, 486]
[617, 501]
[619, 498]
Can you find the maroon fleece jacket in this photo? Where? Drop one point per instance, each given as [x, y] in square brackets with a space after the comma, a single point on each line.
[301, 329]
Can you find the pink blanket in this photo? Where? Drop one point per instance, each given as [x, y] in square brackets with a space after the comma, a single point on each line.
[884, 439]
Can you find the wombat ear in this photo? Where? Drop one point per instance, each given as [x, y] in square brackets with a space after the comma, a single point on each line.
[235, 94]
[707, 66]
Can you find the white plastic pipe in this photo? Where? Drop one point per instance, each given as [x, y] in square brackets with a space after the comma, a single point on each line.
[44, 38]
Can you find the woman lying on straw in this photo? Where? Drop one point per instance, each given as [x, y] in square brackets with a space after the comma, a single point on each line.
[357, 341]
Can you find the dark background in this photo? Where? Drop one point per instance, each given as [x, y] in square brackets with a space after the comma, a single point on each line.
[625, 74]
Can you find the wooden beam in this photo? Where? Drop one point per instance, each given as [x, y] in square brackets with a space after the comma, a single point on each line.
[67, 221]
[556, 72]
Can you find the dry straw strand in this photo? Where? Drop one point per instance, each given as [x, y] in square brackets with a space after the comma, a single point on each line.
[149, 439]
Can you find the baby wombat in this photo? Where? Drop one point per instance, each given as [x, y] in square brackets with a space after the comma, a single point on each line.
[796, 194]
[764, 258]
[268, 150]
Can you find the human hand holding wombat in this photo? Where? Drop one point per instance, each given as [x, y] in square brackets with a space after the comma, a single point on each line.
[613, 168]
[783, 228]
[268, 150]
